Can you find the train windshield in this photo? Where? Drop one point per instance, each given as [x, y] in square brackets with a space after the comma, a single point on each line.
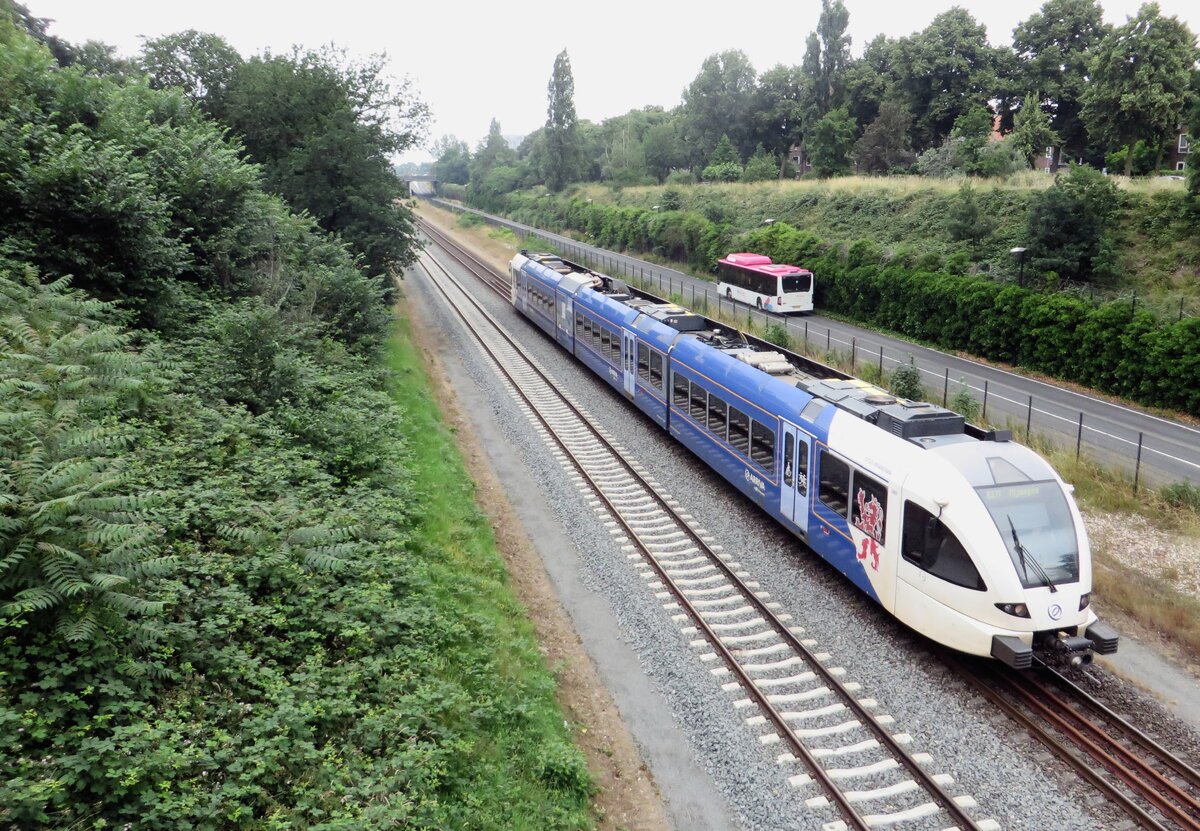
[796, 282]
[1035, 523]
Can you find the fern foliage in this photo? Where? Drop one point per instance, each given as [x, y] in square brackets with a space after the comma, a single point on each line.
[74, 540]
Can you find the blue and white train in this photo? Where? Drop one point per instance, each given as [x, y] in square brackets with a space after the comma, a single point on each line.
[966, 537]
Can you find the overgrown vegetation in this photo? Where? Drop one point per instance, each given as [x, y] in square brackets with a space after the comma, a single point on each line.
[234, 591]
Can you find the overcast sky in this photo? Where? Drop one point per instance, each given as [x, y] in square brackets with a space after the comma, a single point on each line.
[474, 61]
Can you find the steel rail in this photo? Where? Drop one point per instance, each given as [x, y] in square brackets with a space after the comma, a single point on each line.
[942, 797]
[1124, 764]
[1182, 768]
[996, 686]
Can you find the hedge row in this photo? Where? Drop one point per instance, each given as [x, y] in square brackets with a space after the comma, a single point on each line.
[1111, 347]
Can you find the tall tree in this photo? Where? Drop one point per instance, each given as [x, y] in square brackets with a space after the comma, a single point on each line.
[1056, 46]
[492, 152]
[971, 134]
[663, 150]
[200, 64]
[884, 145]
[834, 55]
[1033, 133]
[37, 28]
[942, 72]
[1193, 126]
[720, 101]
[830, 143]
[453, 163]
[562, 140]
[325, 128]
[867, 80]
[780, 96]
[1141, 78]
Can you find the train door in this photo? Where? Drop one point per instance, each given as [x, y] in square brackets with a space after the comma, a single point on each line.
[793, 490]
[566, 320]
[629, 362]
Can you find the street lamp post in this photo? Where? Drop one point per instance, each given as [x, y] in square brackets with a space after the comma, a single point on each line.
[1019, 253]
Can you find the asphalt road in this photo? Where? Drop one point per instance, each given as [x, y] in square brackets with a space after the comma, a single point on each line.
[1114, 434]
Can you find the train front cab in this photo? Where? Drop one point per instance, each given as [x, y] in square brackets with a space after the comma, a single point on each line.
[957, 584]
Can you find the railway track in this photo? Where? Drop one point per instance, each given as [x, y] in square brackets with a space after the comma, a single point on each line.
[1155, 788]
[830, 741]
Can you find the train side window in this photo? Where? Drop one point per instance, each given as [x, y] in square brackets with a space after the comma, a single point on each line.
[718, 416]
[835, 483]
[869, 511]
[739, 431]
[656, 370]
[680, 386]
[789, 453]
[699, 403]
[597, 331]
[615, 345]
[932, 547]
[762, 446]
[605, 340]
[802, 467]
[643, 355]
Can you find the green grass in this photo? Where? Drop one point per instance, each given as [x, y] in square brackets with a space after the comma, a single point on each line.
[518, 768]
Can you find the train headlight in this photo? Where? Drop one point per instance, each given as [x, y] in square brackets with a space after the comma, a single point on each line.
[1085, 601]
[1014, 609]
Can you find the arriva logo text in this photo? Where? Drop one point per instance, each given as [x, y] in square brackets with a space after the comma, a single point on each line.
[755, 482]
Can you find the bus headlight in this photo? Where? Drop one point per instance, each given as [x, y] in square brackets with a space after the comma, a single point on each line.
[1014, 609]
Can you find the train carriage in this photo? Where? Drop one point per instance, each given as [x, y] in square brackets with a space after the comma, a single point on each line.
[965, 536]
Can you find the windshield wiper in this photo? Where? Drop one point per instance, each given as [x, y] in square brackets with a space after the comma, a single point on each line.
[1028, 559]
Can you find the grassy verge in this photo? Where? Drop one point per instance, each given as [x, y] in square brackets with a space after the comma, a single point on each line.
[517, 768]
[1151, 601]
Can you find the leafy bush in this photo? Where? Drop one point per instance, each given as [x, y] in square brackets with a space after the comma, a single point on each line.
[1182, 495]
[906, 382]
[723, 172]
[964, 403]
[777, 334]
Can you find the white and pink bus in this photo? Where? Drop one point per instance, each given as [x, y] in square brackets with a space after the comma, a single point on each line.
[773, 287]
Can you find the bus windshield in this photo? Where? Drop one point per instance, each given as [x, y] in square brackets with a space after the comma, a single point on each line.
[1036, 514]
[796, 282]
